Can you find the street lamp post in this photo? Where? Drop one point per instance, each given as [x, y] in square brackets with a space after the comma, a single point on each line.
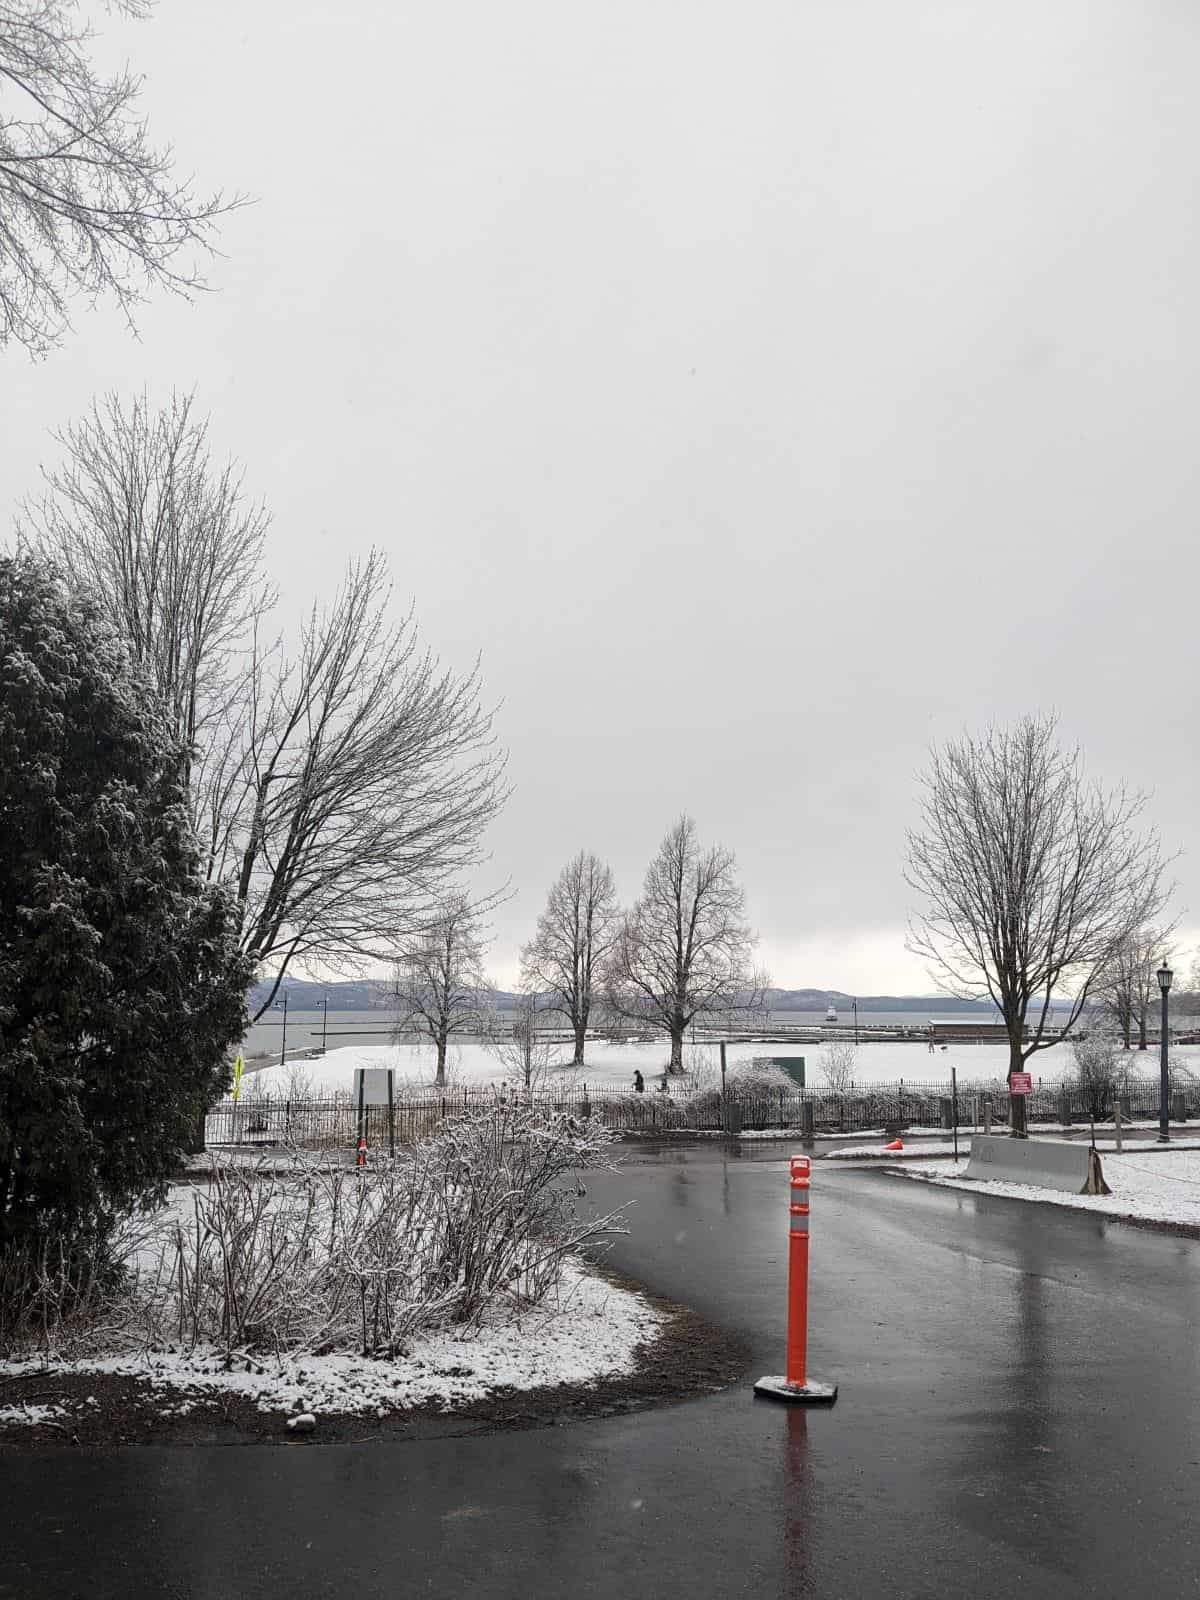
[1164, 1084]
[856, 1019]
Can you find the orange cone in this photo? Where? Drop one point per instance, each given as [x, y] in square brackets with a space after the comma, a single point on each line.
[896, 1144]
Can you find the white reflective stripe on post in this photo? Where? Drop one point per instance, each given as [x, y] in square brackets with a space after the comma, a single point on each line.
[799, 1221]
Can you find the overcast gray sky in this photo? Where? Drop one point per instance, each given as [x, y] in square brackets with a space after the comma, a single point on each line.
[765, 391]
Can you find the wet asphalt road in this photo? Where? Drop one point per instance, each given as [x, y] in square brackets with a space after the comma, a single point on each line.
[1017, 1415]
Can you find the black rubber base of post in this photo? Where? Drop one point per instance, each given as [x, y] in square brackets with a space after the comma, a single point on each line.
[812, 1394]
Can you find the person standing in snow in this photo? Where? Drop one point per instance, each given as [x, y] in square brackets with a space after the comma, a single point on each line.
[639, 1083]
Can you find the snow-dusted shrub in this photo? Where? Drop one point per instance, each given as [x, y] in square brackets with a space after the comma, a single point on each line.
[745, 1082]
[62, 1291]
[509, 1179]
[321, 1260]
[1098, 1065]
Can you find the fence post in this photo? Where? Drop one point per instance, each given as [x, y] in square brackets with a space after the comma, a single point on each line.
[946, 1107]
[954, 1106]
[807, 1119]
[1064, 1108]
[1117, 1122]
[1178, 1106]
[987, 1113]
[585, 1105]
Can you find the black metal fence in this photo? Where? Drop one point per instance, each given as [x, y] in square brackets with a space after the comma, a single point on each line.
[333, 1122]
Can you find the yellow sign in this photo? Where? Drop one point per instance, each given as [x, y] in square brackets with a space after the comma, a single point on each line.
[239, 1066]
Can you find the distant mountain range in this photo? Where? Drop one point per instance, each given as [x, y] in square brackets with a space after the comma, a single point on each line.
[364, 995]
[819, 999]
[368, 994]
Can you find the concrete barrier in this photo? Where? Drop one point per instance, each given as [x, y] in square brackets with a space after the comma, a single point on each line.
[1043, 1163]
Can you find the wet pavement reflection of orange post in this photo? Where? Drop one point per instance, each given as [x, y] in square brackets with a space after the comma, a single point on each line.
[797, 1526]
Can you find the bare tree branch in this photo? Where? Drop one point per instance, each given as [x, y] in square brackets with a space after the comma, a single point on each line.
[341, 790]
[440, 985]
[369, 776]
[88, 207]
[523, 1048]
[574, 934]
[1032, 877]
[140, 516]
[683, 948]
[1127, 988]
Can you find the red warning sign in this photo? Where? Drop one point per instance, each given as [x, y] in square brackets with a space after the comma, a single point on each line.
[1021, 1083]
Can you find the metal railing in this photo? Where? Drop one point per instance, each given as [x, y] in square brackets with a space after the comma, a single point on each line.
[333, 1122]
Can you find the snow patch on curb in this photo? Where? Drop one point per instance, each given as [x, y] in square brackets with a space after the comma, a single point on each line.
[1163, 1187]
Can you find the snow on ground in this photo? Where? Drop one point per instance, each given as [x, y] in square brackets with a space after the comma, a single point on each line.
[872, 1152]
[612, 1066]
[1152, 1187]
[923, 1146]
[592, 1333]
[29, 1416]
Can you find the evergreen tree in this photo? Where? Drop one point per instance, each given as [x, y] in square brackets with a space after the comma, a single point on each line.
[121, 985]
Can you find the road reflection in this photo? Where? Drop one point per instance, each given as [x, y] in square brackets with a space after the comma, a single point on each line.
[798, 1523]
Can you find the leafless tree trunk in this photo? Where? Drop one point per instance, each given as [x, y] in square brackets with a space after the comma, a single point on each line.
[87, 206]
[574, 934]
[1032, 877]
[440, 985]
[683, 948]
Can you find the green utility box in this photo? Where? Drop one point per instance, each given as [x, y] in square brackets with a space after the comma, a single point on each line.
[793, 1066]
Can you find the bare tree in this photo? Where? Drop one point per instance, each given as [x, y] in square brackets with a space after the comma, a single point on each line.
[88, 207]
[440, 985]
[360, 789]
[1032, 878]
[836, 1064]
[574, 934]
[683, 949]
[523, 1047]
[142, 518]
[1128, 988]
[341, 790]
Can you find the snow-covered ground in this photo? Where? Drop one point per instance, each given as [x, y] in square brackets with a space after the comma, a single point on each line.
[915, 1145]
[592, 1333]
[1146, 1185]
[613, 1065]
[31, 1416]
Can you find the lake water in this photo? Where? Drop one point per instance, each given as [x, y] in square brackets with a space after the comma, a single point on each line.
[304, 1028]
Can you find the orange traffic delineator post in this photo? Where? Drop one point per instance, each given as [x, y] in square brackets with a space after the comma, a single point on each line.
[362, 1150]
[896, 1144]
[796, 1385]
